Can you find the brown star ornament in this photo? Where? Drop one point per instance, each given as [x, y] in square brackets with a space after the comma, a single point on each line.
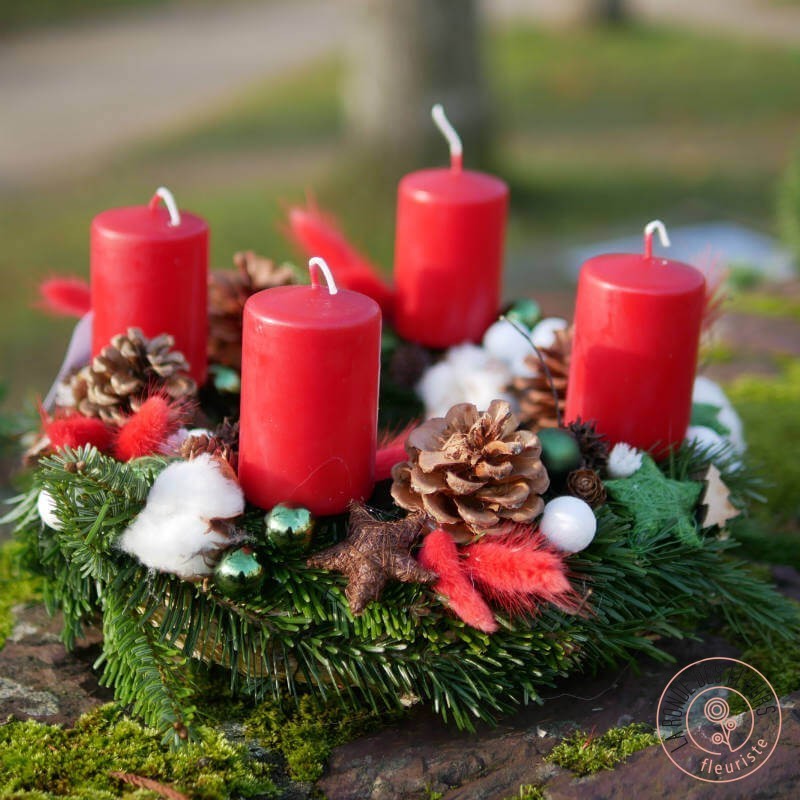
[374, 553]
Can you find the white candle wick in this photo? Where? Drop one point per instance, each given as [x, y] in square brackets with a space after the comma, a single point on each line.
[450, 134]
[318, 263]
[656, 226]
[164, 194]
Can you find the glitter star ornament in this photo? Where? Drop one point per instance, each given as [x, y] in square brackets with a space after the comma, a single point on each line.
[374, 553]
[656, 502]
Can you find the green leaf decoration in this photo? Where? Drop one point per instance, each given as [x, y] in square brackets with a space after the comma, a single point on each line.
[707, 415]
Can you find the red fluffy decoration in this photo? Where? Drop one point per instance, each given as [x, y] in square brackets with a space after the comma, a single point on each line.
[440, 555]
[75, 431]
[66, 297]
[391, 451]
[518, 570]
[317, 234]
[146, 432]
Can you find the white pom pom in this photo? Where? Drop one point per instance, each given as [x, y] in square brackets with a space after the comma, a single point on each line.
[568, 524]
[198, 485]
[544, 334]
[731, 420]
[173, 532]
[467, 374]
[504, 342]
[46, 506]
[623, 460]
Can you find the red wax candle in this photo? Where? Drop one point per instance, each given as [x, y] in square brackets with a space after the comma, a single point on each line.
[149, 270]
[309, 406]
[634, 352]
[448, 259]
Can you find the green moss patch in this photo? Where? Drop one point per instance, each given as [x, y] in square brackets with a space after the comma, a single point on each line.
[305, 733]
[47, 761]
[16, 586]
[584, 754]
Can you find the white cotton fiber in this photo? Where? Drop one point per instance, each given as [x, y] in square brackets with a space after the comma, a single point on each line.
[623, 460]
[198, 485]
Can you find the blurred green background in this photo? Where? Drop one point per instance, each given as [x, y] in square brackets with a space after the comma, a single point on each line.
[598, 124]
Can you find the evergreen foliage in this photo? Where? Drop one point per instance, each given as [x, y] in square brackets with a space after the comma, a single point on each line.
[299, 637]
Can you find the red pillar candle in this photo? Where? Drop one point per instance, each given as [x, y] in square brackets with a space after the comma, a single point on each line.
[634, 351]
[309, 405]
[448, 250]
[149, 270]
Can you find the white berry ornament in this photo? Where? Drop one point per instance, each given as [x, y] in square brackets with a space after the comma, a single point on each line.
[46, 507]
[568, 524]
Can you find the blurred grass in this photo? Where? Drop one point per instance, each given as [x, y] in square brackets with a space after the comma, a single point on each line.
[596, 131]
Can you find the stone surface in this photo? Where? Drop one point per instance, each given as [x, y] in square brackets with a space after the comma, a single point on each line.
[39, 679]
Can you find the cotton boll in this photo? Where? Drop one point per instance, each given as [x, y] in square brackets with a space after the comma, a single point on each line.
[544, 334]
[705, 438]
[174, 443]
[731, 420]
[506, 343]
[46, 506]
[198, 485]
[177, 542]
[467, 374]
[706, 391]
[623, 460]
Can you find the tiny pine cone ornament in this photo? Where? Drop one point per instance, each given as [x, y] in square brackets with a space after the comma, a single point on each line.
[128, 370]
[593, 445]
[542, 397]
[472, 472]
[586, 485]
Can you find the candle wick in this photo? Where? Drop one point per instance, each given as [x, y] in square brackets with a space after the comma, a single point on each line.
[451, 135]
[656, 226]
[548, 375]
[316, 263]
[162, 193]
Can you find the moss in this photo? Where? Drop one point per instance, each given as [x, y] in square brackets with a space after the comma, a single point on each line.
[47, 761]
[768, 407]
[305, 733]
[765, 304]
[528, 792]
[16, 586]
[585, 755]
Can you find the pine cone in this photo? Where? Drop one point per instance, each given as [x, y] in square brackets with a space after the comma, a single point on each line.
[126, 372]
[228, 291]
[593, 445]
[195, 446]
[586, 485]
[408, 363]
[473, 472]
[538, 406]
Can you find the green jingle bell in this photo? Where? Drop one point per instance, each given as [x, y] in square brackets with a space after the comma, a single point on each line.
[525, 311]
[238, 573]
[289, 529]
[560, 453]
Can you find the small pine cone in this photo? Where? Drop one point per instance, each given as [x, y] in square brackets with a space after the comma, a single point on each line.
[195, 446]
[408, 363]
[126, 372]
[228, 291]
[474, 473]
[593, 445]
[586, 485]
[542, 398]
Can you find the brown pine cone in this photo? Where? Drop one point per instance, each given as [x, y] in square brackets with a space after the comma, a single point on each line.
[593, 445]
[472, 472]
[586, 485]
[408, 363]
[126, 372]
[541, 398]
[228, 291]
